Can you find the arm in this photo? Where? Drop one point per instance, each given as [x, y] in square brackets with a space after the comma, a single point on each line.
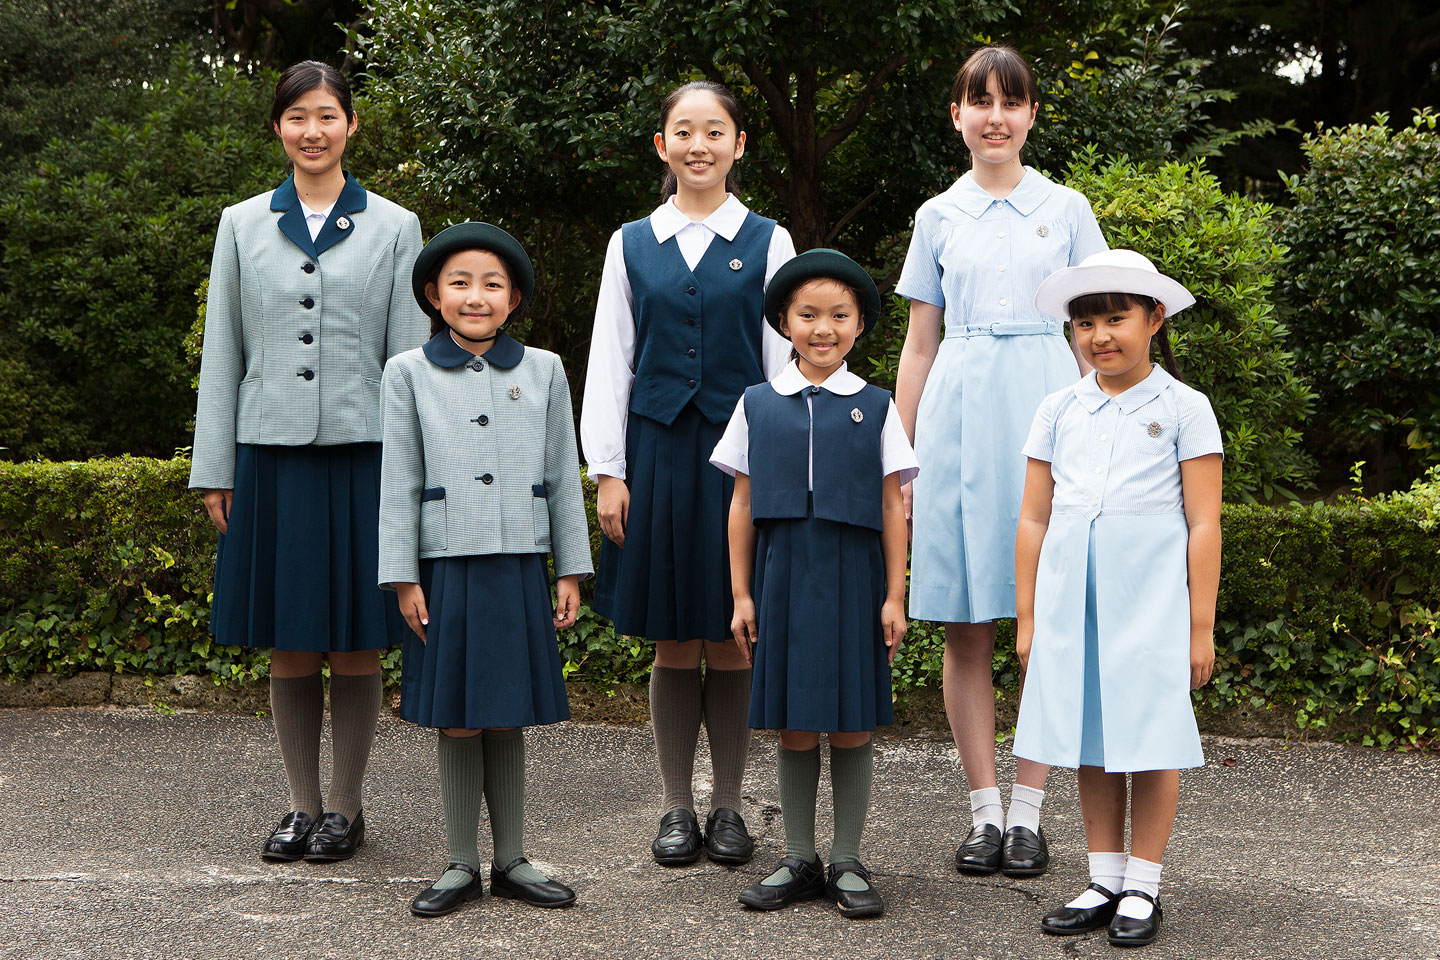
[922, 342]
[893, 543]
[610, 373]
[402, 478]
[775, 348]
[407, 326]
[1029, 537]
[569, 531]
[222, 365]
[742, 567]
[1200, 483]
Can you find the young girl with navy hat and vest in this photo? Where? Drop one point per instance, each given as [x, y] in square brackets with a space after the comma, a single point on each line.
[817, 560]
[1117, 565]
[481, 480]
[979, 251]
[309, 296]
[679, 333]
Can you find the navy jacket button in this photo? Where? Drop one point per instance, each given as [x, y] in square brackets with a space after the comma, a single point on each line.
[690, 290]
[482, 420]
[307, 374]
[487, 479]
[690, 352]
[308, 268]
[477, 366]
[689, 383]
[306, 339]
[690, 321]
[307, 303]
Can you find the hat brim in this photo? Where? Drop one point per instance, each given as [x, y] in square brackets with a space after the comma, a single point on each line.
[472, 235]
[822, 264]
[1062, 286]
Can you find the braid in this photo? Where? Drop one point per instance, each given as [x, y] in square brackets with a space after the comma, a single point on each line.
[1168, 356]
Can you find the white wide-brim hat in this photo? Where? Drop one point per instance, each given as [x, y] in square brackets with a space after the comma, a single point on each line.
[1110, 271]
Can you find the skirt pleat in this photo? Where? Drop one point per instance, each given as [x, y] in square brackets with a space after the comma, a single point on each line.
[490, 657]
[298, 568]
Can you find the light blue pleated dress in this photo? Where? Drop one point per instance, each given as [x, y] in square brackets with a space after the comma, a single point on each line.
[1109, 678]
[982, 259]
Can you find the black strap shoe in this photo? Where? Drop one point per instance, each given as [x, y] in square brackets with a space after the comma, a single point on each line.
[853, 903]
[1127, 931]
[437, 903]
[547, 893]
[1068, 921]
[980, 853]
[1024, 853]
[807, 882]
[677, 842]
[287, 841]
[335, 838]
[726, 839]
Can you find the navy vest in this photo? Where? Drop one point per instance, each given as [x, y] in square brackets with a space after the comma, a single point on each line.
[697, 333]
[849, 471]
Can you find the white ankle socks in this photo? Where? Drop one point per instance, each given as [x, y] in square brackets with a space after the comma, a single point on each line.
[1106, 869]
[985, 807]
[1142, 875]
[1024, 807]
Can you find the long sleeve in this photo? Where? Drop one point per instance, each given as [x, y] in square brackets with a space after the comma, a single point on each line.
[775, 348]
[569, 530]
[408, 327]
[610, 373]
[402, 477]
[222, 364]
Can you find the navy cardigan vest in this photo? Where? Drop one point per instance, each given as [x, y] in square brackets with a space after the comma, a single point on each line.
[849, 471]
[697, 332]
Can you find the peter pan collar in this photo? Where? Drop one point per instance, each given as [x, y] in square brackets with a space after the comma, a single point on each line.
[352, 199]
[1028, 194]
[725, 221]
[1092, 398]
[443, 351]
[791, 381]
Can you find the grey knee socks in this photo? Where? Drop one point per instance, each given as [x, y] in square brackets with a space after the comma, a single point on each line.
[675, 704]
[297, 705]
[354, 713]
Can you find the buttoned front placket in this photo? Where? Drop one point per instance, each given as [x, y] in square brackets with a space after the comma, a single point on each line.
[485, 444]
[1104, 429]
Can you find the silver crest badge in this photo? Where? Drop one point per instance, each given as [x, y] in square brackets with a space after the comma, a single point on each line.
[1153, 429]
[515, 393]
[736, 264]
[343, 223]
[1042, 231]
[856, 415]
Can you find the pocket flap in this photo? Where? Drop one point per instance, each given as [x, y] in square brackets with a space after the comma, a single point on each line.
[432, 493]
[538, 489]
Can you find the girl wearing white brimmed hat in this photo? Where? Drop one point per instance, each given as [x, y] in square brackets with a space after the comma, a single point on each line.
[1117, 563]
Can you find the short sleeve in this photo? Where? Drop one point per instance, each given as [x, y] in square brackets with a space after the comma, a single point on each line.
[1040, 444]
[896, 454]
[1088, 238]
[920, 277]
[1199, 430]
[732, 453]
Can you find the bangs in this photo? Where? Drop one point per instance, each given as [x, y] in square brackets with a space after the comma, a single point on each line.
[1099, 304]
[1011, 72]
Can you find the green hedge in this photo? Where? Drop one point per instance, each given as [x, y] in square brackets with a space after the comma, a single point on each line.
[1329, 610]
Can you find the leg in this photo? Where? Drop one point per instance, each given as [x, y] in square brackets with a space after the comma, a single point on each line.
[1155, 794]
[297, 705]
[356, 690]
[969, 688]
[511, 875]
[727, 708]
[852, 768]
[798, 876]
[675, 709]
[1029, 790]
[1102, 803]
[461, 756]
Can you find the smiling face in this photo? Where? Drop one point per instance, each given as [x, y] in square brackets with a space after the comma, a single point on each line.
[994, 124]
[1117, 343]
[313, 130]
[474, 295]
[700, 142]
[822, 321]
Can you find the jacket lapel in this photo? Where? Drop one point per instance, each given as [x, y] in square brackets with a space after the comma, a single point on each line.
[340, 223]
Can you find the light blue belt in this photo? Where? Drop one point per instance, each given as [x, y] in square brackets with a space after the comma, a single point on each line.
[1022, 328]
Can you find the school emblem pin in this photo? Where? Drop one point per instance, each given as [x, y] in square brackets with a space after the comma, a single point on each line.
[515, 393]
[1153, 429]
[343, 223]
[856, 415]
[1042, 231]
[736, 264]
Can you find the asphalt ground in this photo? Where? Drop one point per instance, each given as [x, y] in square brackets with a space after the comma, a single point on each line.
[131, 834]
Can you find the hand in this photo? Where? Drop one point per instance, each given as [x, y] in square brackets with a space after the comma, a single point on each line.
[892, 625]
[612, 506]
[907, 497]
[1202, 660]
[743, 629]
[217, 505]
[567, 601]
[1024, 637]
[412, 606]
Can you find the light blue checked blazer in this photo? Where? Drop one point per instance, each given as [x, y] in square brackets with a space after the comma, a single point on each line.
[479, 458]
[297, 332]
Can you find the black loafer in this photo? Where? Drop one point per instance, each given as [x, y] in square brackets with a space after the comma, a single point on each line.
[1129, 932]
[726, 839]
[980, 853]
[437, 903]
[1068, 921]
[677, 842]
[549, 893]
[287, 841]
[335, 838]
[1024, 853]
[853, 903]
[807, 882]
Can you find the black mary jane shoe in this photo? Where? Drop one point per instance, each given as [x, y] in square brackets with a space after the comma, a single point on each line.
[436, 903]
[980, 853]
[678, 840]
[287, 841]
[1024, 853]
[1127, 931]
[853, 903]
[726, 839]
[1068, 921]
[807, 882]
[547, 893]
[335, 838]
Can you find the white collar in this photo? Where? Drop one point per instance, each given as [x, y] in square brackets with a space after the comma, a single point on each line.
[841, 382]
[305, 209]
[1092, 398]
[725, 220]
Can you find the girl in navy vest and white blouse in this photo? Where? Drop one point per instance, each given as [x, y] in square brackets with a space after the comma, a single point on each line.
[817, 560]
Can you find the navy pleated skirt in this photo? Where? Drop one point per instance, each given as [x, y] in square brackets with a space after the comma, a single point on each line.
[821, 662]
[490, 658]
[298, 568]
[671, 581]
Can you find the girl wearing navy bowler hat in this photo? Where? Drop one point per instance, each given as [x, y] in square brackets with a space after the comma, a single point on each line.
[481, 480]
[1117, 564]
[817, 561]
[309, 296]
[678, 335]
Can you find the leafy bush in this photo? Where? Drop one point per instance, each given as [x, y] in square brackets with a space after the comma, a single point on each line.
[1364, 281]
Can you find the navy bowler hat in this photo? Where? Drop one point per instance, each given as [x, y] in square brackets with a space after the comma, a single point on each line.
[473, 235]
[822, 263]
